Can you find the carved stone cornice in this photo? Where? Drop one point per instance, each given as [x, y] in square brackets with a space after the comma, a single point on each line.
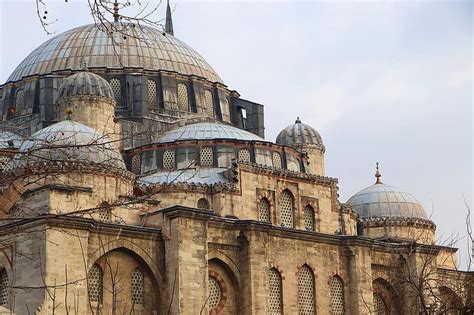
[397, 221]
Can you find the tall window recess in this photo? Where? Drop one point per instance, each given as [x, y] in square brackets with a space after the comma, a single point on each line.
[274, 299]
[116, 86]
[209, 103]
[287, 204]
[168, 160]
[95, 279]
[337, 296]
[206, 157]
[137, 287]
[3, 287]
[306, 291]
[264, 210]
[19, 101]
[183, 97]
[309, 218]
[379, 305]
[276, 157]
[152, 93]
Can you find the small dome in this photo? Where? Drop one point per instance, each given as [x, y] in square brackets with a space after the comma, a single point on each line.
[208, 131]
[9, 140]
[384, 201]
[85, 84]
[68, 143]
[299, 134]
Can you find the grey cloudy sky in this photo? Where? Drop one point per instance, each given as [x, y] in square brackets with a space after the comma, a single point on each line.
[381, 81]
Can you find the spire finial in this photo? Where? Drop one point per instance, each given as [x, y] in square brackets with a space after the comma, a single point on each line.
[69, 112]
[169, 19]
[298, 121]
[377, 174]
[116, 11]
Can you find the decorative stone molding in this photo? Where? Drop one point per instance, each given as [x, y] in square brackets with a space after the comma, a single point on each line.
[397, 221]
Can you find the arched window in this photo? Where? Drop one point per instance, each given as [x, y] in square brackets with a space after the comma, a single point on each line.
[183, 98]
[379, 304]
[264, 210]
[209, 103]
[151, 87]
[244, 155]
[275, 301]
[95, 279]
[19, 100]
[286, 209]
[168, 160]
[306, 291]
[3, 287]
[215, 293]
[206, 156]
[137, 287]
[136, 164]
[203, 204]
[116, 86]
[276, 160]
[308, 218]
[337, 296]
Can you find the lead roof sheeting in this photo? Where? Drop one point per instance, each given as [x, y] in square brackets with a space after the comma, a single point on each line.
[208, 176]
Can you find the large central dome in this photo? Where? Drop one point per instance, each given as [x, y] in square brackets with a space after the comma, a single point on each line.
[142, 47]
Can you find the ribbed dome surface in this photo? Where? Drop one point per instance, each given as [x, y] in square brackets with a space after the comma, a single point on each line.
[13, 138]
[380, 200]
[208, 131]
[68, 142]
[143, 48]
[299, 134]
[85, 83]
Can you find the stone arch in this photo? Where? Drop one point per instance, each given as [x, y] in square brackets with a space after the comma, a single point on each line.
[229, 287]
[450, 302]
[384, 289]
[227, 261]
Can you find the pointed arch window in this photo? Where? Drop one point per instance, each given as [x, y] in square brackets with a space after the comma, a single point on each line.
[152, 94]
[209, 103]
[203, 204]
[183, 97]
[3, 287]
[137, 287]
[337, 296]
[215, 293]
[19, 100]
[116, 86]
[264, 210]
[287, 204]
[95, 279]
[309, 218]
[275, 300]
[306, 291]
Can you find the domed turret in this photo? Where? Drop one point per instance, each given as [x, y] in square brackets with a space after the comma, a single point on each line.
[306, 139]
[85, 84]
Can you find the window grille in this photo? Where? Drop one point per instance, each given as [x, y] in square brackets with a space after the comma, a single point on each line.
[3, 287]
[137, 287]
[286, 209]
[244, 155]
[117, 89]
[276, 160]
[209, 103]
[309, 218]
[215, 293]
[183, 99]
[168, 160]
[379, 305]
[264, 210]
[19, 100]
[105, 215]
[95, 279]
[206, 156]
[274, 293]
[3, 162]
[203, 204]
[337, 296]
[151, 85]
[136, 164]
[306, 291]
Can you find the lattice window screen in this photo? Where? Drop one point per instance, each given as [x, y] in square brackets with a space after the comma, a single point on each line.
[286, 209]
[209, 103]
[309, 218]
[337, 296]
[206, 156]
[264, 210]
[136, 164]
[117, 89]
[276, 160]
[3, 162]
[3, 287]
[183, 98]
[274, 293]
[168, 160]
[244, 155]
[151, 85]
[19, 100]
[306, 291]
[379, 305]
[95, 279]
[137, 287]
[203, 204]
[215, 293]
[105, 215]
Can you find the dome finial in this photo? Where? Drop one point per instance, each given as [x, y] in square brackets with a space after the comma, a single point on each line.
[69, 112]
[116, 11]
[298, 121]
[169, 20]
[377, 174]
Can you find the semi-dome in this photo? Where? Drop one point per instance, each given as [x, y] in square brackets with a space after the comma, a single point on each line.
[68, 143]
[132, 47]
[9, 140]
[85, 83]
[299, 134]
[208, 131]
[384, 201]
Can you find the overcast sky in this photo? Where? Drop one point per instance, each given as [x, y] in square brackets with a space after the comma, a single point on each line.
[381, 81]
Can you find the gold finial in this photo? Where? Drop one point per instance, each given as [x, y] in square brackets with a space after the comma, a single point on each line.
[377, 174]
[69, 112]
[116, 11]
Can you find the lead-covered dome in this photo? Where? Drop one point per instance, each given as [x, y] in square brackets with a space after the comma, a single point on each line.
[85, 84]
[136, 47]
[299, 134]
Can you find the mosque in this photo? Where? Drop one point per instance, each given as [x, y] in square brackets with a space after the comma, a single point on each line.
[135, 181]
